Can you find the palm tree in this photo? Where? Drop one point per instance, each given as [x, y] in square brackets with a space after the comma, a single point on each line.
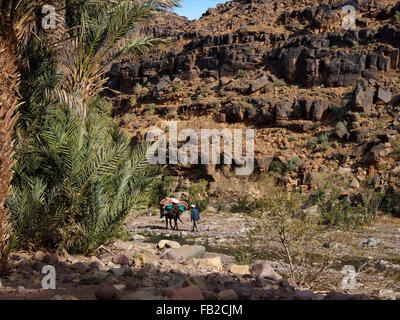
[76, 189]
[47, 202]
[15, 17]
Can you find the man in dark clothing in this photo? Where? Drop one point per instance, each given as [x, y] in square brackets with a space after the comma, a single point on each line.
[195, 216]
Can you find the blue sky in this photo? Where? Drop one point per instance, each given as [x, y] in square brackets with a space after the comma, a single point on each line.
[193, 9]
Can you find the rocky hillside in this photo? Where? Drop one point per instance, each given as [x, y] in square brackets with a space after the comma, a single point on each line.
[320, 97]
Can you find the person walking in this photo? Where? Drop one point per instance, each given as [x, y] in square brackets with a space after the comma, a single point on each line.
[195, 216]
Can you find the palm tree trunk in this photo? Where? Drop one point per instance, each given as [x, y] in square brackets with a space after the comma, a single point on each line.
[9, 81]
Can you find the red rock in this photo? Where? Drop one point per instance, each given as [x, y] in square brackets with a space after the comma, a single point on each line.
[106, 291]
[227, 295]
[188, 293]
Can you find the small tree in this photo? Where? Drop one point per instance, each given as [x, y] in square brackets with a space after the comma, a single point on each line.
[290, 237]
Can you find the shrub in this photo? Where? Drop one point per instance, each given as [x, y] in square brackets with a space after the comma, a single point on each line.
[241, 74]
[341, 126]
[198, 195]
[343, 212]
[177, 87]
[162, 188]
[397, 16]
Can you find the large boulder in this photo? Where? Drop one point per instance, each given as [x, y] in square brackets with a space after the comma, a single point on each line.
[319, 108]
[258, 84]
[239, 269]
[363, 99]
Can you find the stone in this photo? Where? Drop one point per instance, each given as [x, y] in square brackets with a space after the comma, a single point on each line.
[168, 244]
[343, 171]
[119, 272]
[387, 294]
[140, 295]
[239, 269]
[319, 108]
[363, 99]
[211, 263]
[264, 270]
[80, 267]
[38, 255]
[137, 237]
[355, 184]
[64, 297]
[259, 84]
[94, 277]
[371, 242]
[384, 95]
[188, 293]
[120, 259]
[106, 291]
[227, 295]
[185, 252]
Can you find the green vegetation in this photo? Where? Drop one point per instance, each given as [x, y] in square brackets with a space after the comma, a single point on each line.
[198, 195]
[241, 74]
[77, 177]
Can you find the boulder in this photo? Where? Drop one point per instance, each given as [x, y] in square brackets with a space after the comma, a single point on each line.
[188, 293]
[258, 84]
[264, 270]
[140, 295]
[228, 295]
[383, 95]
[319, 108]
[120, 259]
[106, 291]
[168, 244]
[363, 99]
[239, 269]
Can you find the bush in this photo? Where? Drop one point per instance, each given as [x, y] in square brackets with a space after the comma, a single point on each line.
[177, 87]
[198, 195]
[344, 213]
[341, 126]
[241, 73]
[323, 141]
[397, 16]
[162, 188]
[78, 181]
